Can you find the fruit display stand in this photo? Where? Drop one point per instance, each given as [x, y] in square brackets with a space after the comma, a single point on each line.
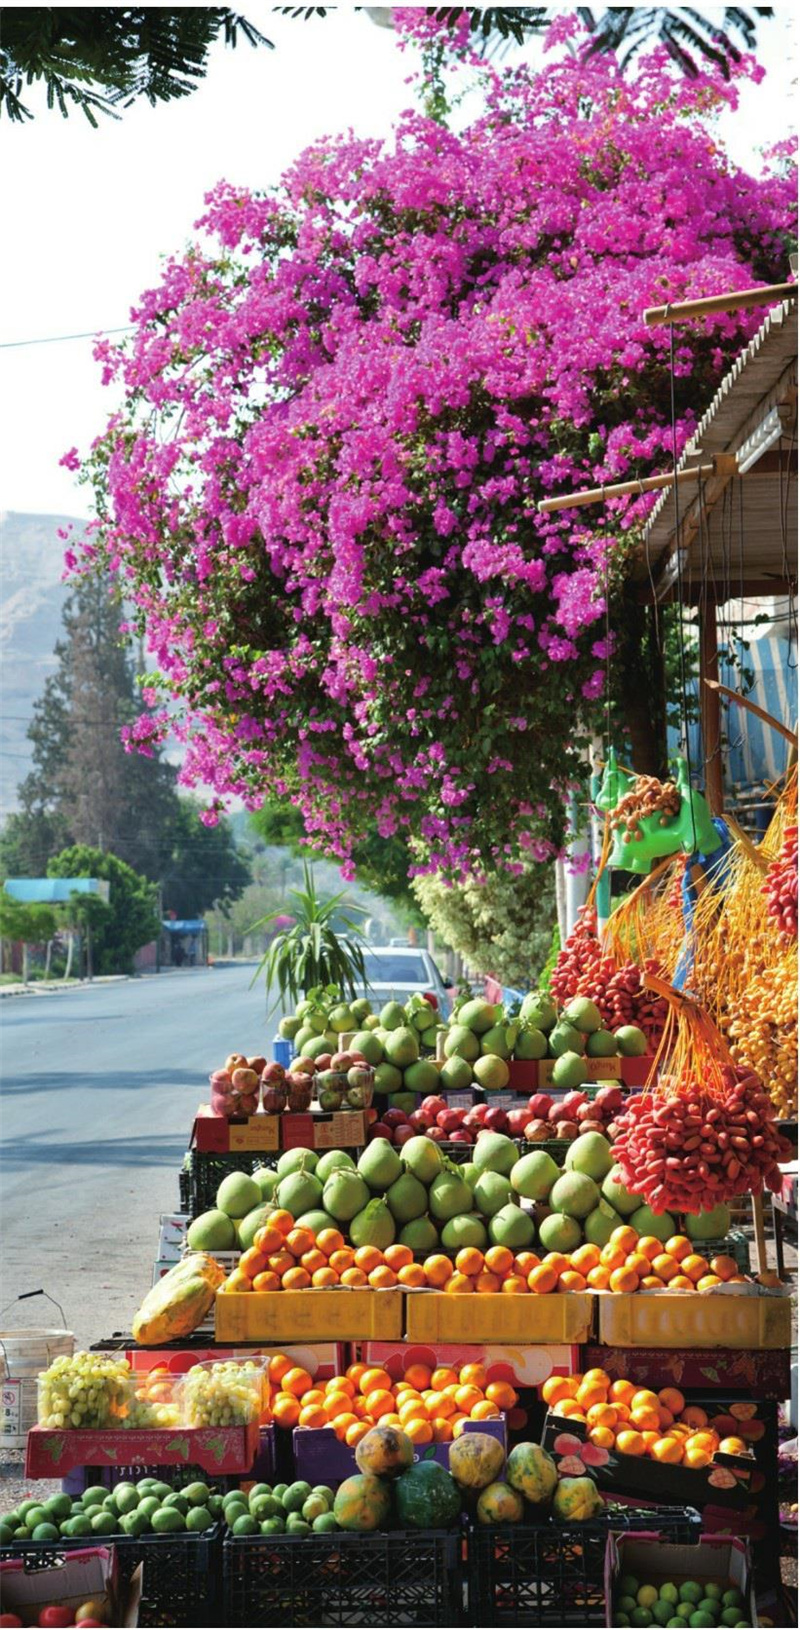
[265, 1134]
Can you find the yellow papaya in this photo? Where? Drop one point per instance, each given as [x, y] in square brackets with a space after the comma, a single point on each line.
[178, 1302]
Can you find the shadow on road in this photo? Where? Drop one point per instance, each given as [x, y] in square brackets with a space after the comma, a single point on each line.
[126, 1080]
[146, 1151]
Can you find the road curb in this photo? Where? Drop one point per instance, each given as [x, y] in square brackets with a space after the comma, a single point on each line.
[54, 989]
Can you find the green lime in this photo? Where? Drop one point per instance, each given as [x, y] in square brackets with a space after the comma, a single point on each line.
[675, 1624]
[646, 1595]
[257, 1489]
[198, 1517]
[79, 1526]
[273, 1525]
[691, 1591]
[233, 1497]
[626, 1604]
[325, 1524]
[296, 1495]
[325, 1493]
[177, 1500]
[709, 1605]
[313, 1507]
[7, 1532]
[22, 1532]
[685, 1611]
[161, 1489]
[628, 1586]
[279, 1489]
[136, 1523]
[12, 1519]
[641, 1616]
[713, 1591]
[730, 1598]
[58, 1507]
[196, 1493]
[669, 1593]
[148, 1504]
[622, 1618]
[264, 1506]
[216, 1505]
[169, 1520]
[104, 1523]
[109, 1504]
[145, 1485]
[730, 1616]
[661, 1611]
[26, 1505]
[244, 1525]
[295, 1524]
[34, 1515]
[126, 1497]
[45, 1531]
[702, 1621]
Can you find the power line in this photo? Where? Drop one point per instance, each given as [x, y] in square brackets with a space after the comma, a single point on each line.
[59, 339]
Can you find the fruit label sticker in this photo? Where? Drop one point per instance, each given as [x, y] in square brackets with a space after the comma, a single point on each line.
[500, 1100]
[344, 1129]
[11, 1409]
[258, 1132]
[459, 1100]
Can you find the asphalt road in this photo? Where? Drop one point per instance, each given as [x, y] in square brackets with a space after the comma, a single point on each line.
[99, 1086]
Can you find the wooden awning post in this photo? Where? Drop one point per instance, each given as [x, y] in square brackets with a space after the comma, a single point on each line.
[710, 710]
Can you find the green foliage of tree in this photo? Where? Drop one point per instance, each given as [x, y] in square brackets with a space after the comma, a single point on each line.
[323, 947]
[203, 867]
[502, 926]
[27, 841]
[32, 924]
[130, 919]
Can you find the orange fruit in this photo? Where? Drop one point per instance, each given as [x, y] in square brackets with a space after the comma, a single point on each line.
[466, 1396]
[623, 1412]
[708, 1281]
[311, 1260]
[665, 1417]
[499, 1259]
[281, 1262]
[665, 1266]
[414, 1409]
[382, 1277]
[341, 1383]
[295, 1279]
[315, 1395]
[460, 1284]
[645, 1420]
[438, 1269]
[297, 1381]
[419, 1431]
[638, 1262]
[693, 1415]
[266, 1281]
[723, 1266]
[353, 1276]
[470, 1261]
[330, 1240]
[368, 1257]
[696, 1457]
[569, 1408]
[625, 1280]
[514, 1285]
[283, 1221]
[612, 1256]
[694, 1267]
[502, 1394]
[602, 1436]
[354, 1372]
[669, 1451]
[544, 1278]
[524, 1261]
[356, 1432]
[707, 1439]
[680, 1282]
[487, 1284]
[300, 1240]
[485, 1411]
[360, 1407]
[412, 1275]
[558, 1386]
[733, 1446]
[442, 1430]
[557, 1260]
[336, 1403]
[643, 1398]
[591, 1392]
[631, 1443]
[571, 1280]
[598, 1278]
[268, 1240]
[651, 1281]
[595, 1378]
[313, 1416]
[625, 1239]
[601, 1415]
[649, 1246]
[324, 1276]
[375, 1377]
[472, 1375]
[278, 1366]
[379, 1402]
[585, 1257]
[398, 1256]
[621, 1392]
[286, 1409]
[341, 1259]
[650, 1437]
[679, 1247]
[444, 1377]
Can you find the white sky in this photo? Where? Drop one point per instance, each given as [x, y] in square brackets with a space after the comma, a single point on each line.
[87, 213]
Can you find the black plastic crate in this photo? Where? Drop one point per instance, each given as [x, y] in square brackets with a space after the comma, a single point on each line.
[206, 1171]
[343, 1579]
[180, 1574]
[552, 1573]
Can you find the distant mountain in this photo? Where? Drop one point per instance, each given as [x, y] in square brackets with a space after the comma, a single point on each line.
[31, 601]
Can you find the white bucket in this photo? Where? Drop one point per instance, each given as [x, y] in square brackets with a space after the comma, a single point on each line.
[23, 1355]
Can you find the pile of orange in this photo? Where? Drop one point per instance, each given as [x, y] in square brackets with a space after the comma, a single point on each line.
[637, 1421]
[630, 1262]
[430, 1405]
[285, 1257]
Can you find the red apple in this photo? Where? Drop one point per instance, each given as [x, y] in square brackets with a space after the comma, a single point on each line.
[323, 1061]
[257, 1064]
[358, 1058]
[273, 1075]
[419, 1122]
[235, 1061]
[517, 1122]
[402, 1135]
[481, 1110]
[303, 1066]
[9, 1618]
[54, 1617]
[395, 1117]
[379, 1129]
[345, 1061]
[539, 1105]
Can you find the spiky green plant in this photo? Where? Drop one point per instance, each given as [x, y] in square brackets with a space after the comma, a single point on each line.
[324, 946]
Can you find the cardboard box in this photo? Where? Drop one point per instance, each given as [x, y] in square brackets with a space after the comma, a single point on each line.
[734, 1316]
[74, 1577]
[220, 1449]
[338, 1313]
[726, 1481]
[322, 1359]
[433, 1316]
[215, 1134]
[653, 1561]
[319, 1457]
[523, 1075]
[523, 1366]
[172, 1235]
[600, 1069]
[318, 1129]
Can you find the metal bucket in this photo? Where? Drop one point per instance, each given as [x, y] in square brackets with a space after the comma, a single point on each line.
[23, 1355]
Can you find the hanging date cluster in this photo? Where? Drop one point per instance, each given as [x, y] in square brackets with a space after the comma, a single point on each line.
[694, 1149]
[583, 969]
[781, 886]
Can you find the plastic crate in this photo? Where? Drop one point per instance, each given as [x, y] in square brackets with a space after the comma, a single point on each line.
[552, 1573]
[343, 1579]
[181, 1573]
[206, 1172]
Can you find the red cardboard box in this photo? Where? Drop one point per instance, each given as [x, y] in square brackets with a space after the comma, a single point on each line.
[215, 1134]
[218, 1449]
[322, 1359]
[525, 1366]
[339, 1129]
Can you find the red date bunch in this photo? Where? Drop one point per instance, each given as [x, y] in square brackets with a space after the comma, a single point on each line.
[696, 1149]
[583, 969]
[781, 886]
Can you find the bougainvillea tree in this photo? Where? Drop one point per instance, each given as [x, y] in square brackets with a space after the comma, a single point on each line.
[340, 407]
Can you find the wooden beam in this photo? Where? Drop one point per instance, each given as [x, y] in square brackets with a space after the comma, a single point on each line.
[752, 707]
[623, 489]
[710, 710]
[755, 588]
[680, 544]
[737, 300]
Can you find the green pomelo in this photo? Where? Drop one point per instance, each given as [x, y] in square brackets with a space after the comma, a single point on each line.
[379, 1164]
[477, 1015]
[407, 1101]
[558, 1232]
[494, 1152]
[267, 1179]
[342, 1018]
[492, 1191]
[498, 1040]
[402, 1047]
[333, 1161]
[370, 1022]
[237, 1194]
[393, 1016]
[255, 1219]
[430, 1036]
[601, 1044]
[600, 1224]
[569, 1071]
[299, 1192]
[538, 1012]
[423, 1157]
[316, 1220]
[148, 1505]
[614, 1191]
[574, 1193]
[461, 1043]
[57, 1507]
[585, 1015]
[455, 1074]
[702, 1225]
[49, 1530]
[198, 1517]
[375, 1225]
[591, 1154]
[512, 1227]
[318, 1045]
[646, 1221]
[289, 1027]
[468, 1229]
[470, 1173]
[421, 1076]
[297, 1160]
[422, 1017]
[361, 1009]
[388, 1078]
[631, 1041]
[304, 1034]
[367, 1043]
[534, 1175]
[419, 1235]
[449, 1195]
[491, 1072]
[565, 1038]
[530, 1043]
[344, 1194]
[407, 1198]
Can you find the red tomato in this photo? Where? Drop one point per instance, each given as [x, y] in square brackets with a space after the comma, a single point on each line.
[56, 1618]
[10, 1619]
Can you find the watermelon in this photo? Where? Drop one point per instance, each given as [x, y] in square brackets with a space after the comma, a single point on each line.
[427, 1496]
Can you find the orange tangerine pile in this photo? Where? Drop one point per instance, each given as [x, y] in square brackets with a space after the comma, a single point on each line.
[630, 1262]
[430, 1405]
[285, 1257]
[636, 1421]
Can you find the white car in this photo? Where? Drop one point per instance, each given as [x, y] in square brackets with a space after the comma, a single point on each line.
[396, 972]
